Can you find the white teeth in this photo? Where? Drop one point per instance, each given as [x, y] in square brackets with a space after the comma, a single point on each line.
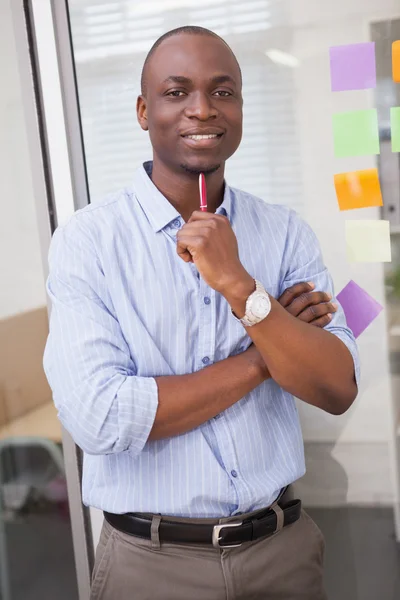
[202, 137]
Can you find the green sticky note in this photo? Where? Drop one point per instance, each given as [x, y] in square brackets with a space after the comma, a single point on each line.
[356, 133]
[395, 123]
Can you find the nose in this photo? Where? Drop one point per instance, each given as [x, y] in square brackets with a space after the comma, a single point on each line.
[200, 106]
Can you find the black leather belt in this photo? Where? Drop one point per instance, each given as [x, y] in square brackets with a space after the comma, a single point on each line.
[226, 535]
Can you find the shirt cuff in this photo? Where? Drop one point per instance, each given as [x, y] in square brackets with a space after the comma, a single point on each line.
[352, 347]
[136, 409]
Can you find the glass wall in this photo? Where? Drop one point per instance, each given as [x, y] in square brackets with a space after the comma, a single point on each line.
[36, 554]
[290, 153]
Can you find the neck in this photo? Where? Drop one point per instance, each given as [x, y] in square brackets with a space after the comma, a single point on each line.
[182, 188]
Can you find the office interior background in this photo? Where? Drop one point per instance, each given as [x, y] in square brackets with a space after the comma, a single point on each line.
[56, 79]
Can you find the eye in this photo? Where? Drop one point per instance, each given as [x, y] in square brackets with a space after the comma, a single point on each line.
[223, 93]
[175, 93]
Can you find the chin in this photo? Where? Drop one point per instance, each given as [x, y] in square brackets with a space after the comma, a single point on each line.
[196, 170]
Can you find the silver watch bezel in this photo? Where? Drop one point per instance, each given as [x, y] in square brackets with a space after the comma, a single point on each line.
[250, 318]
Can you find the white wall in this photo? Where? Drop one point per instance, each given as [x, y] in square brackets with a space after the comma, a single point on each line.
[21, 273]
[354, 463]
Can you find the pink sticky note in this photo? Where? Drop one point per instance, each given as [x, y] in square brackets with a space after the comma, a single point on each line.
[359, 307]
[353, 67]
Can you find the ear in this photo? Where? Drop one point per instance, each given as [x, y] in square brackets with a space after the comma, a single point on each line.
[141, 112]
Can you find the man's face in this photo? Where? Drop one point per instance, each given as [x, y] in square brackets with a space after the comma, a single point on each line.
[193, 88]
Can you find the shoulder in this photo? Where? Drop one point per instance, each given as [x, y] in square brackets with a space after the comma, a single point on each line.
[276, 215]
[87, 223]
[275, 223]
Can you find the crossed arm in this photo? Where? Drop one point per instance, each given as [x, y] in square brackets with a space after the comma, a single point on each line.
[187, 401]
[104, 406]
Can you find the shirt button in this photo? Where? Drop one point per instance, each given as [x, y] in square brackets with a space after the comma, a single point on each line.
[205, 360]
[234, 473]
[207, 300]
[176, 223]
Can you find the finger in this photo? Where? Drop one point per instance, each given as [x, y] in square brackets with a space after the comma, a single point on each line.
[199, 215]
[199, 223]
[304, 300]
[316, 311]
[322, 321]
[196, 229]
[189, 245]
[183, 251]
[293, 291]
[185, 255]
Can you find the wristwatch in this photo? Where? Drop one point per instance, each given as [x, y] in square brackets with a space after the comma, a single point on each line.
[258, 306]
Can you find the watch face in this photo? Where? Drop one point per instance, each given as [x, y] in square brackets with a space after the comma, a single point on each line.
[261, 306]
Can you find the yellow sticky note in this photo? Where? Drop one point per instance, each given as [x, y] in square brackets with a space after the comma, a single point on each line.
[396, 61]
[368, 241]
[358, 189]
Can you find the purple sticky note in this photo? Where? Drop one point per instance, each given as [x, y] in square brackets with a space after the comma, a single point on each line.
[359, 307]
[353, 67]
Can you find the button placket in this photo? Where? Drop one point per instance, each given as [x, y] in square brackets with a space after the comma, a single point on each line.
[207, 323]
[229, 456]
[206, 350]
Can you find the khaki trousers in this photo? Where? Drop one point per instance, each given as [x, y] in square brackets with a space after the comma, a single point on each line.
[285, 566]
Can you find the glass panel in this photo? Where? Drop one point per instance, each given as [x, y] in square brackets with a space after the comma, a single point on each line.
[36, 554]
[292, 117]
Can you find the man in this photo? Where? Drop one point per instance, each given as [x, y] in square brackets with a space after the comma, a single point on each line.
[174, 366]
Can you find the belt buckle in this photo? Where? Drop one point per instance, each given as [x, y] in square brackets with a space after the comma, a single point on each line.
[216, 536]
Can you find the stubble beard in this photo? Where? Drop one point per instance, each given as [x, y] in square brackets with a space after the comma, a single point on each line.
[197, 170]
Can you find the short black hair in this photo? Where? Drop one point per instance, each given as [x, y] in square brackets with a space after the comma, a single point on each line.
[190, 29]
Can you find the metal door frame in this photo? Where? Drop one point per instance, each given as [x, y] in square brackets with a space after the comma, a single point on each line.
[53, 125]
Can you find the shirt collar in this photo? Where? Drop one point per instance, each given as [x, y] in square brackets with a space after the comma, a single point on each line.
[158, 210]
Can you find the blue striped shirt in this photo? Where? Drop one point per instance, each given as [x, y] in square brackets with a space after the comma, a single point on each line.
[126, 309]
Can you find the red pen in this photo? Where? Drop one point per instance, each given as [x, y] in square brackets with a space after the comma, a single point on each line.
[203, 193]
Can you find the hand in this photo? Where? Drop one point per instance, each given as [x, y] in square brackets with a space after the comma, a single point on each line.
[311, 307]
[208, 241]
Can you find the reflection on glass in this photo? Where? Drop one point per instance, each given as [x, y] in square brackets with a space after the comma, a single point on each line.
[36, 555]
[287, 156]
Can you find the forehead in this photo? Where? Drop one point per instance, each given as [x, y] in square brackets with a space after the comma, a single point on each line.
[192, 56]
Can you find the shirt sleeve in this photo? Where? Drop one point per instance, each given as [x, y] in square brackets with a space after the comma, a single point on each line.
[100, 400]
[304, 262]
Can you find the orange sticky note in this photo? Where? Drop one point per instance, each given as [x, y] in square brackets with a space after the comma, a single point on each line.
[396, 61]
[358, 189]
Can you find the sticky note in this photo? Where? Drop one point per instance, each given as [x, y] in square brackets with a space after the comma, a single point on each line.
[396, 61]
[395, 128]
[353, 67]
[359, 307]
[368, 241]
[356, 133]
[358, 189]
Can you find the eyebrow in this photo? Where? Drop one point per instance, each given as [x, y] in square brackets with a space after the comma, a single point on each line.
[217, 79]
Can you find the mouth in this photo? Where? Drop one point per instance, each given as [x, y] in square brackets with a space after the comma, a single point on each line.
[210, 140]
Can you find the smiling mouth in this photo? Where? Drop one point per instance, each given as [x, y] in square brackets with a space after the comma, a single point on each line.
[198, 141]
[210, 136]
